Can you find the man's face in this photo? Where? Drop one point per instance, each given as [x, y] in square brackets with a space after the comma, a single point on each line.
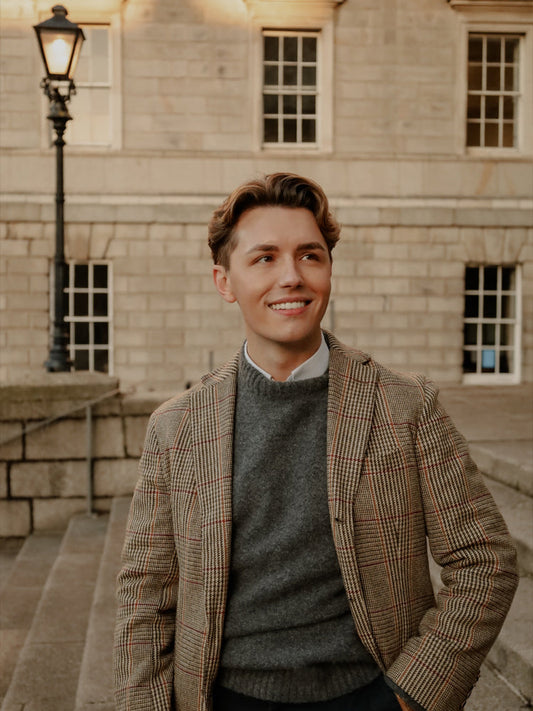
[280, 275]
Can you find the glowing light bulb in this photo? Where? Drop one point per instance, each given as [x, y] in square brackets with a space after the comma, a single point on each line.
[58, 56]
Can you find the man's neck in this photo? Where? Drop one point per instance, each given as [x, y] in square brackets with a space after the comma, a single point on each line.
[279, 363]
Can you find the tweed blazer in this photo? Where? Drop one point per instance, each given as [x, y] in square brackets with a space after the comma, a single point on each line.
[399, 475]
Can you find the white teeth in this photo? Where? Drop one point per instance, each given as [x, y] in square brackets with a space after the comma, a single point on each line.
[288, 305]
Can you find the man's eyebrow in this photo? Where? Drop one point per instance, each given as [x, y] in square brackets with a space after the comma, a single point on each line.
[263, 248]
[309, 246]
[306, 247]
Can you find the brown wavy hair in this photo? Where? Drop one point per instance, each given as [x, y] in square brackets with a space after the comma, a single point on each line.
[277, 189]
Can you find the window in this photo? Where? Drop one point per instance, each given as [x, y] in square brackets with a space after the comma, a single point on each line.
[493, 102]
[88, 313]
[290, 61]
[495, 77]
[491, 323]
[91, 105]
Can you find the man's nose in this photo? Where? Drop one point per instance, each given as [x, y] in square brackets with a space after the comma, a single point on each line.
[289, 273]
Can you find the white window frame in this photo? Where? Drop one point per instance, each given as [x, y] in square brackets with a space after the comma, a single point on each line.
[480, 378]
[100, 14]
[286, 16]
[72, 320]
[298, 91]
[496, 17]
[501, 94]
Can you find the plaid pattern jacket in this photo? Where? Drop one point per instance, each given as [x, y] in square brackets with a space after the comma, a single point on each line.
[398, 472]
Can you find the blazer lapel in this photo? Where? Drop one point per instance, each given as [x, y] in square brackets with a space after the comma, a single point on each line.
[351, 398]
[212, 418]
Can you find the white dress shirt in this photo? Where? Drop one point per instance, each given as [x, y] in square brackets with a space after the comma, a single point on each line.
[313, 367]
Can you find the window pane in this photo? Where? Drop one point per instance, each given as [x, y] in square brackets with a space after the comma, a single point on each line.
[474, 78]
[506, 361]
[271, 48]
[469, 361]
[508, 107]
[489, 334]
[308, 104]
[511, 50]
[101, 333]
[271, 130]
[271, 75]
[491, 135]
[81, 333]
[81, 304]
[289, 130]
[101, 360]
[473, 134]
[290, 49]
[506, 334]
[470, 334]
[471, 278]
[488, 361]
[289, 104]
[475, 49]
[100, 55]
[508, 140]
[81, 360]
[492, 107]
[493, 78]
[290, 75]
[511, 79]
[508, 307]
[474, 106]
[270, 103]
[309, 49]
[490, 278]
[100, 305]
[471, 306]
[493, 49]
[489, 306]
[81, 276]
[100, 276]
[308, 130]
[508, 278]
[309, 76]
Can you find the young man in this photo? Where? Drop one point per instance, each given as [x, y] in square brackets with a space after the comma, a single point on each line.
[275, 557]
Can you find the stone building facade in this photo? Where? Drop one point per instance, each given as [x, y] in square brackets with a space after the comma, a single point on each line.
[414, 115]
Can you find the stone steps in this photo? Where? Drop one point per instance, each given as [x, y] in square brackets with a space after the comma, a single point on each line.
[95, 686]
[65, 661]
[46, 674]
[20, 596]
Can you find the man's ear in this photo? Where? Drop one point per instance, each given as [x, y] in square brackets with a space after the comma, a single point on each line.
[223, 283]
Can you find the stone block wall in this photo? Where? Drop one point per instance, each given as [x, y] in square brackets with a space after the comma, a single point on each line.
[398, 283]
[44, 472]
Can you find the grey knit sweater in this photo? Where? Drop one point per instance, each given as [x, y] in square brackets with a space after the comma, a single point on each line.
[289, 635]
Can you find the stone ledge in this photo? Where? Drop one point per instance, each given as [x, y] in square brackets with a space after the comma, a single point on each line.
[40, 395]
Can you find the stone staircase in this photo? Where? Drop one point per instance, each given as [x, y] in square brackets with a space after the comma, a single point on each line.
[57, 612]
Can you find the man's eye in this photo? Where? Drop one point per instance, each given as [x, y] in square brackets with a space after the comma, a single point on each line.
[265, 258]
[311, 255]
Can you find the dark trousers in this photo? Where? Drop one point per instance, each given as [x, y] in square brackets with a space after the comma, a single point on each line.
[376, 696]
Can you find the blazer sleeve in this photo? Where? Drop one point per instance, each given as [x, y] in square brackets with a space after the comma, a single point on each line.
[469, 539]
[147, 589]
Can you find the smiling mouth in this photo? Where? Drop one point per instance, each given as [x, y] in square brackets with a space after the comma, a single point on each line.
[288, 305]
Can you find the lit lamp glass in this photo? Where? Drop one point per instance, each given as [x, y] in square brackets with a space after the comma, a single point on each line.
[60, 42]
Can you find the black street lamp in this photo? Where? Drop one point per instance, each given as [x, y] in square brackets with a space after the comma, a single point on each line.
[60, 43]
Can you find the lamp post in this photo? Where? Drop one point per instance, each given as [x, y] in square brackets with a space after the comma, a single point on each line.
[60, 43]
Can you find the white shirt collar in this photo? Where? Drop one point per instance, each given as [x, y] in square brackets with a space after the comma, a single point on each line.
[313, 367]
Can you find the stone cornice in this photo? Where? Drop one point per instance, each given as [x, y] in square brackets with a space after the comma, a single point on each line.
[283, 13]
